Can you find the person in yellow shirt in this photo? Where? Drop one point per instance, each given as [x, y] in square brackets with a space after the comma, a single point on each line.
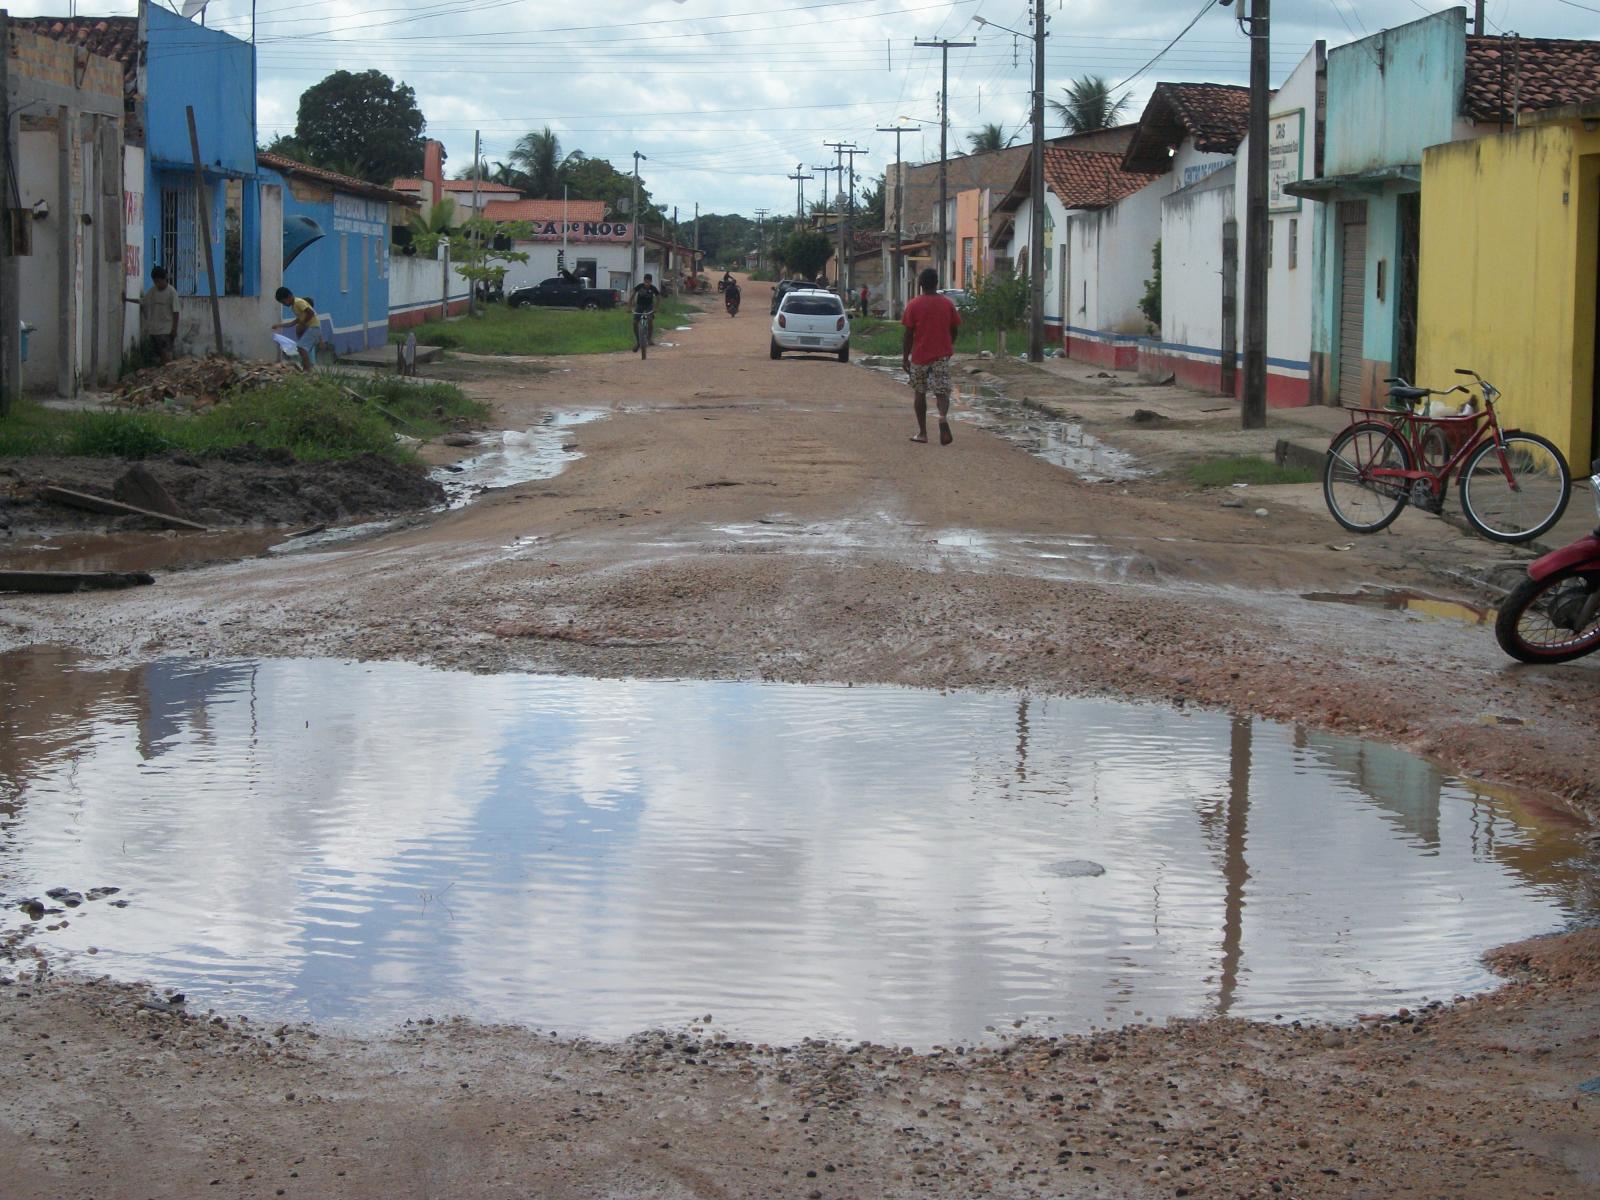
[303, 328]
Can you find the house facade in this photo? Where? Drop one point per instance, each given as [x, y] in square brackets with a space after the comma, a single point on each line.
[1201, 257]
[1510, 239]
[68, 262]
[575, 235]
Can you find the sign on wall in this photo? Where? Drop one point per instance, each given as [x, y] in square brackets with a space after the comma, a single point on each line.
[1285, 158]
[352, 214]
[581, 231]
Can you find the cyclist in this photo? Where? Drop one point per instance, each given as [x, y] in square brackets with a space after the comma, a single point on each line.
[644, 301]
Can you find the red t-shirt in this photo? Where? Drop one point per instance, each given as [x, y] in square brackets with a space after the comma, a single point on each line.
[933, 321]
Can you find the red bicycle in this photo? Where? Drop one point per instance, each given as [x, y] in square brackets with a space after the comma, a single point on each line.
[1513, 485]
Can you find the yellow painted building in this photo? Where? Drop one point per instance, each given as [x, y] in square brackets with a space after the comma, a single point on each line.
[1508, 272]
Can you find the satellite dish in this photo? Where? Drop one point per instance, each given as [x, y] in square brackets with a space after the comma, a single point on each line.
[191, 7]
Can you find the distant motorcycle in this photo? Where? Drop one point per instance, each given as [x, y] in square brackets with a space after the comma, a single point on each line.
[1553, 615]
[730, 299]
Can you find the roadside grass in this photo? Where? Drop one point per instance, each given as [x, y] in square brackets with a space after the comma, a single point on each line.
[879, 335]
[1223, 472]
[504, 330]
[318, 418]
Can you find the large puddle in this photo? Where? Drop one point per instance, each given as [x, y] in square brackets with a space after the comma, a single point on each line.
[514, 456]
[359, 843]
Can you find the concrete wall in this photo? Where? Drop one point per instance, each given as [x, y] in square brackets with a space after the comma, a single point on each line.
[416, 286]
[133, 274]
[1110, 255]
[1508, 275]
[612, 260]
[1057, 222]
[1392, 95]
[189, 64]
[1191, 343]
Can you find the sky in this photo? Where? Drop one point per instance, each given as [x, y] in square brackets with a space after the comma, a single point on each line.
[726, 98]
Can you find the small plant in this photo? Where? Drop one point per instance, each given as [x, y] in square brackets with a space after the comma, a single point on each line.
[1224, 472]
[1150, 302]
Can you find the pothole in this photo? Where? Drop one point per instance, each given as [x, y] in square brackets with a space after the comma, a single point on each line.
[515, 456]
[1417, 604]
[357, 843]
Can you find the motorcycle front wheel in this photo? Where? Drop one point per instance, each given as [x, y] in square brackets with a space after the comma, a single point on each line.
[1551, 620]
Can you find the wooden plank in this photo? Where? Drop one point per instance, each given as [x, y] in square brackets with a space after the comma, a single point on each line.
[71, 581]
[117, 508]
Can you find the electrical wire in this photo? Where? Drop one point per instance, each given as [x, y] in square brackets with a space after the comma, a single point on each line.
[1193, 21]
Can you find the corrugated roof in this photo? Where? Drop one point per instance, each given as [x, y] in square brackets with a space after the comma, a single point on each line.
[342, 183]
[1215, 116]
[1507, 75]
[545, 210]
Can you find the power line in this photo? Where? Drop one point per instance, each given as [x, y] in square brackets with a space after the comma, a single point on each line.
[1193, 21]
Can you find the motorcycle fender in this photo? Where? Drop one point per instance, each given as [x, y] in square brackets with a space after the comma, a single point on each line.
[1583, 554]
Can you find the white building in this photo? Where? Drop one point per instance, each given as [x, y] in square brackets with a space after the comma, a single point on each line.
[1202, 248]
[574, 234]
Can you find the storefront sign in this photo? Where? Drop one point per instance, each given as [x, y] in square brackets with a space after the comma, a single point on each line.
[581, 231]
[352, 214]
[1285, 158]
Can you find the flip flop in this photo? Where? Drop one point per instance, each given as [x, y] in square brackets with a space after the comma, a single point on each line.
[945, 436]
[920, 437]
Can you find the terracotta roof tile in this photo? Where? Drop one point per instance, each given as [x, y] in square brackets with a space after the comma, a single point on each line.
[1087, 179]
[1215, 116]
[343, 183]
[110, 37]
[1507, 75]
[544, 210]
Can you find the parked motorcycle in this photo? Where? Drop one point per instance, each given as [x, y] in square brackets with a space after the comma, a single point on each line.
[1553, 615]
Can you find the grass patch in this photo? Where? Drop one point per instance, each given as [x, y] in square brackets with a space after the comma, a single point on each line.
[316, 418]
[879, 335]
[1222, 472]
[504, 330]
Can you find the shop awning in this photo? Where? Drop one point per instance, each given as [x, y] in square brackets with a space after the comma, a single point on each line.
[1361, 183]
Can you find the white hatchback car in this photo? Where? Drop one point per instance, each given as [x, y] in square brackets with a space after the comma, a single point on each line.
[811, 321]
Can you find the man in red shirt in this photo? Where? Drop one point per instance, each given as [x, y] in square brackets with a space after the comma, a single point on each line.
[931, 321]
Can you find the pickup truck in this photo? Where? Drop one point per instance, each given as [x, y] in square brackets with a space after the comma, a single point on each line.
[558, 292]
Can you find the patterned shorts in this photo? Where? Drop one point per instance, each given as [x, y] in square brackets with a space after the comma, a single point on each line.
[931, 377]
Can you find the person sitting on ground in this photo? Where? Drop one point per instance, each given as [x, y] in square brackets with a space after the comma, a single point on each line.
[303, 327]
[158, 315]
[931, 321]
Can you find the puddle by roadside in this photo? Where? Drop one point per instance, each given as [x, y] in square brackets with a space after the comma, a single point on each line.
[1415, 603]
[515, 456]
[358, 843]
[135, 551]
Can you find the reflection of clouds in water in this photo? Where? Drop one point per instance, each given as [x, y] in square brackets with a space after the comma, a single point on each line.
[374, 839]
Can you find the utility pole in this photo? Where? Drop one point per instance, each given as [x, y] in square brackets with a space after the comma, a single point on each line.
[1477, 18]
[10, 321]
[899, 219]
[850, 217]
[1253, 406]
[841, 267]
[800, 193]
[761, 219]
[694, 255]
[477, 146]
[827, 193]
[944, 46]
[633, 259]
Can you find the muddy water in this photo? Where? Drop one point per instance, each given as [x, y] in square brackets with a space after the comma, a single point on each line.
[358, 843]
[135, 551]
[516, 456]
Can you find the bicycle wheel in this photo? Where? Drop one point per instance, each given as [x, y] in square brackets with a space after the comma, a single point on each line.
[1551, 620]
[1357, 501]
[1530, 502]
[641, 339]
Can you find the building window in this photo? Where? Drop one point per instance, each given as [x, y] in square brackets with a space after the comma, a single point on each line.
[179, 238]
[588, 268]
[344, 262]
[233, 238]
[1294, 242]
[966, 261]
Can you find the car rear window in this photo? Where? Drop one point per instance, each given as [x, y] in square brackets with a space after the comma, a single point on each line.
[813, 306]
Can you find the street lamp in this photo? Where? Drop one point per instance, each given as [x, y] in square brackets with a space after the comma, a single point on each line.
[1035, 184]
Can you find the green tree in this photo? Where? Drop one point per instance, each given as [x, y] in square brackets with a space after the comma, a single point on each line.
[1089, 105]
[805, 252]
[869, 211]
[538, 156]
[990, 137]
[367, 122]
[1000, 302]
[726, 238]
[596, 179]
[1150, 302]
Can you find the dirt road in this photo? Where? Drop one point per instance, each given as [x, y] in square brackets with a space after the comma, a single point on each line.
[736, 516]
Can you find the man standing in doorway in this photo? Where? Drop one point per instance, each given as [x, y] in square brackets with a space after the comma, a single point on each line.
[931, 321]
[158, 312]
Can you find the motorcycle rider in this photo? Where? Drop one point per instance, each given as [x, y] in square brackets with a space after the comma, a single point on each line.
[730, 295]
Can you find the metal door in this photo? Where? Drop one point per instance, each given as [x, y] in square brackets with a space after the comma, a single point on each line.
[1352, 298]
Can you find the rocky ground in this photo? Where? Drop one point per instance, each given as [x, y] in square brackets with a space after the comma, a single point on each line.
[735, 516]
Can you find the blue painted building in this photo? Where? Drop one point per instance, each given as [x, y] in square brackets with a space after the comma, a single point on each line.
[336, 248]
[1389, 97]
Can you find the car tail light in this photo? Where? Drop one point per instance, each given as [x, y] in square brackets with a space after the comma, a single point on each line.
[840, 325]
[782, 322]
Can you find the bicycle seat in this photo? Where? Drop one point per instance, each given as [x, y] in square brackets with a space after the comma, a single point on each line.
[1409, 393]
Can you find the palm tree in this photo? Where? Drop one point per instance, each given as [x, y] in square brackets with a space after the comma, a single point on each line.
[538, 157]
[990, 137]
[1089, 105]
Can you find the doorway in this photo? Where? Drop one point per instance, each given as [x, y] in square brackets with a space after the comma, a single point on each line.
[1352, 299]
